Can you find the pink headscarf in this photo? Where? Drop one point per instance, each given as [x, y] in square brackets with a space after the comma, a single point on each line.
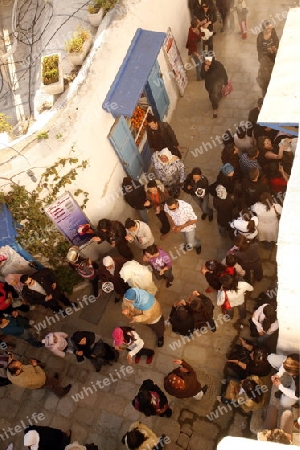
[118, 337]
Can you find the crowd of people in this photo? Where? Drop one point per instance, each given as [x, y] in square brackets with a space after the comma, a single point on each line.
[246, 200]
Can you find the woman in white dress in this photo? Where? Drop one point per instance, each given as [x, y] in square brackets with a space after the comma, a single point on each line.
[268, 214]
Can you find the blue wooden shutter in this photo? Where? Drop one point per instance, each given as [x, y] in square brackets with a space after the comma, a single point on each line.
[126, 149]
[156, 92]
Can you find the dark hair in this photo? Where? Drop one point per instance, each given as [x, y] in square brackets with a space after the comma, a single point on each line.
[1, 317]
[230, 260]
[129, 223]
[241, 242]
[266, 199]
[171, 201]
[241, 132]
[24, 278]
[104, 224]
[291, 364]
[196, 171]
[253, 173]
[152, 249]
[135, 439]
[151, 118]
[229, 137]
[251, 152]
[264, 24]
[127, 181]
[227, 154]
[127, 334]
[246, 215]
[270, 317]
[259, 355]
[194, 22]
[11, 369]
[260, 102]
[249, 388]
[229, 283]
[261, 142]
[152, 184]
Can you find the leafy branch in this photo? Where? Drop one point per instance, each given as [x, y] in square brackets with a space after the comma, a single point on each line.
[37, 234]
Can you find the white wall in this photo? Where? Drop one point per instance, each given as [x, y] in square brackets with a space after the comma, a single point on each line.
[288, 260]
[78, 114]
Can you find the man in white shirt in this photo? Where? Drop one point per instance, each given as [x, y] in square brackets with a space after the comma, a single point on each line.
[183, 220]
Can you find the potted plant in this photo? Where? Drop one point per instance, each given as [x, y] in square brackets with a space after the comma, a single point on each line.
[78, 46]
[52, 74]
[97, 9]
[95, 13]
[5, 129]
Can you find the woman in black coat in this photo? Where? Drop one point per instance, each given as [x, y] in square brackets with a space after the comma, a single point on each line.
[215, 77]
[135, 195]
[99, 352]
[45, 438]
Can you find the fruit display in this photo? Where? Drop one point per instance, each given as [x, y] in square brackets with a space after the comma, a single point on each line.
[138, 123]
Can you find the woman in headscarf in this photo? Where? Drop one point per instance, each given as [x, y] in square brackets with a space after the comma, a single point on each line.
[224, 205]
[169, 169]
[45, 438]
[109, 271]
[215, 77]
[99, 352]
[138, 276]
[142, 307]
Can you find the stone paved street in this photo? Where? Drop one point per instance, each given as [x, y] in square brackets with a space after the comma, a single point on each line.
[103, 415]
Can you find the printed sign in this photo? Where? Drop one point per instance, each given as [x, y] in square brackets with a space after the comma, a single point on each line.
[71, 221]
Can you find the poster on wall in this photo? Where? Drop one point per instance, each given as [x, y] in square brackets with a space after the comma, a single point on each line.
[175, 62]
[71, 221]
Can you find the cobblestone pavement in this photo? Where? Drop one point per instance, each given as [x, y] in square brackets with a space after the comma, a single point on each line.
[103, 414]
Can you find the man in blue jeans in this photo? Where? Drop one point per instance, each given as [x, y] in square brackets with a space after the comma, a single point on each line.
[183, 220]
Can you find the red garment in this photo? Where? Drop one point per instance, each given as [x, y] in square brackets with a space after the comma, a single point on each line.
[3, 297]
[192, 40]
[278, 184]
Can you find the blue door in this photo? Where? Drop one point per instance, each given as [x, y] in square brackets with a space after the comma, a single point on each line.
[156, 92]
[126, 149]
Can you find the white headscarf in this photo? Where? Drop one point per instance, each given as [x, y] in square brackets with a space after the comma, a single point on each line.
[221, 192]
[108, 261]
[32, 439]
[166, 152]
[138, 276]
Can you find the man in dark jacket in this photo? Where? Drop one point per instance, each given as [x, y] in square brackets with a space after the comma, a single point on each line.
[160, 135]
[41, 289]
[196, 184]
[45, 438]
[135, 195]
[215, 77]
[252, 187]
[182, 382]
